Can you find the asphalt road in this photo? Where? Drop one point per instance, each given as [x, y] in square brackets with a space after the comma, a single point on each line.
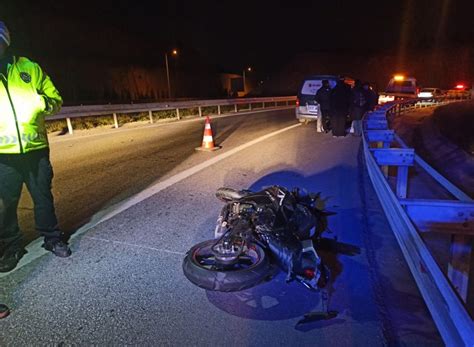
[124, 285]
[96, 168]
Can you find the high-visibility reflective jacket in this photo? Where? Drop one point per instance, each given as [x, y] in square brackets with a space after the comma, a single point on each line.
[27, 95]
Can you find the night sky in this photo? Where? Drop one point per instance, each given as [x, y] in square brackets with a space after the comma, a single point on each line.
[231, 34]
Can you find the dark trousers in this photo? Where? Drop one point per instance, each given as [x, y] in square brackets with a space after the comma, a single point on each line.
[34, 169]
[338, 123]
[326, 119]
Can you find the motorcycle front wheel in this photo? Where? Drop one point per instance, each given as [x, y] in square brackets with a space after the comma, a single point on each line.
[201, 268]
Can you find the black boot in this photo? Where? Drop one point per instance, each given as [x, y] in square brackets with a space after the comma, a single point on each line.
[4, 311]
[57, 247]
[10, 258]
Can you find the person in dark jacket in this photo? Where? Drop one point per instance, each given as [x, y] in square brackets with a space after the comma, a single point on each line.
[323, 98]
[339, 102]
[373, 97]
[359, 103]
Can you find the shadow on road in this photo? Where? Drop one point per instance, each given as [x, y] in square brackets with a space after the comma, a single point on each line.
[275, 299]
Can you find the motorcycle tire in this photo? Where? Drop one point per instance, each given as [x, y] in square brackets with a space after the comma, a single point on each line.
[220, 279]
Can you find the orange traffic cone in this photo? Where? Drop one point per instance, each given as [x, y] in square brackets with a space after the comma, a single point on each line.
[207, 139]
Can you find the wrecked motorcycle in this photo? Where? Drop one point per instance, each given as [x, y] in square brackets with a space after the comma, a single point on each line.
[254, 232]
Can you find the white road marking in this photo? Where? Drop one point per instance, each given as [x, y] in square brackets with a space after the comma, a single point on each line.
[133, 245]
[35, 250]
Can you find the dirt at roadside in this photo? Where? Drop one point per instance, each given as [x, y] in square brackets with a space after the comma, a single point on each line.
[442, 136]
[456, 122]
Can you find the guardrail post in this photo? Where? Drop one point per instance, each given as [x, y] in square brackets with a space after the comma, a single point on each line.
[115, 121]
[276, 103]
[235, 108]
[402, 181]
[69, 126]
[177, 114]
[263, 104]
[287, 102]
[218, 109]
[250, 106]
[461, 268]
[200, 111]
[384, 168]
[401, 158]
[150, 114]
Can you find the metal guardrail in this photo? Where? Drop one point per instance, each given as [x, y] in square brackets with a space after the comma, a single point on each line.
[71, 112]
[408, 217]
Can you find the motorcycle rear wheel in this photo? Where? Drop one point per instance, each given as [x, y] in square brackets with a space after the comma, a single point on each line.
[199, 267]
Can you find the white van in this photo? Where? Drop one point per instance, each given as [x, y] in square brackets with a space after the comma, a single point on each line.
[307, 109]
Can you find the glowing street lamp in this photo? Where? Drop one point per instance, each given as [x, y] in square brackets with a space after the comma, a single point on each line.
[249, 69]
[173, 52]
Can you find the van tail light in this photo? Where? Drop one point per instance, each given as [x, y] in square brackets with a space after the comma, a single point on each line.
[297, 102]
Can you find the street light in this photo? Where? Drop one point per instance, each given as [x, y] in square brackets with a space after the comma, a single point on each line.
[173, 52]
[249, 69]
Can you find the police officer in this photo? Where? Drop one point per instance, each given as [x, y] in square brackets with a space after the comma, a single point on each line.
[27, 95]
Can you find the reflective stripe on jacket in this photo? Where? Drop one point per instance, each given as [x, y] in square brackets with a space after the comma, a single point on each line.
[27, 95]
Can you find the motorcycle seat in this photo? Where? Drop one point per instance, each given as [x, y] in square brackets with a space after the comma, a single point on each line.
[229, 194]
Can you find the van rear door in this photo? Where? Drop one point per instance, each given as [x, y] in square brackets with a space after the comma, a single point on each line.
[309, 89]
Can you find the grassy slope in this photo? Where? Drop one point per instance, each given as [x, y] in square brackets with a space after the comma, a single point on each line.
[456, 122]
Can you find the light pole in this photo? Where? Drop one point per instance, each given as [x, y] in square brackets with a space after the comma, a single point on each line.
[243, 75]
[173, 52]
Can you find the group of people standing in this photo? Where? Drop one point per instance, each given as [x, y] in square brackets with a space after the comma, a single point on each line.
[342, 100]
